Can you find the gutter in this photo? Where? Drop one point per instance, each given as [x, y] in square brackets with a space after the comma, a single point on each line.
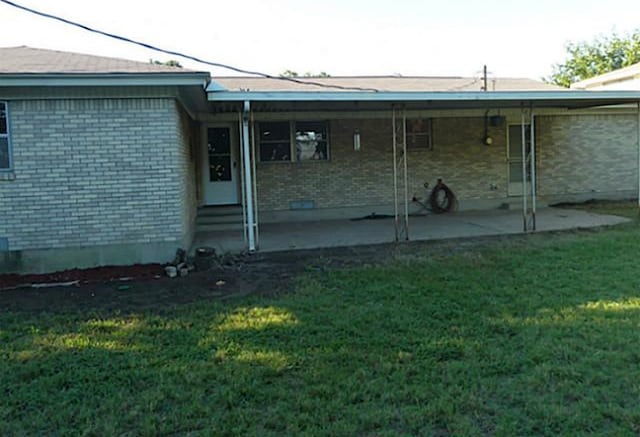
[200, 79]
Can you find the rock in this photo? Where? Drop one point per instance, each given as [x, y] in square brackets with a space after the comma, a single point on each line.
[205, 252]
[181, 256]
[183, 271]
[171, 271]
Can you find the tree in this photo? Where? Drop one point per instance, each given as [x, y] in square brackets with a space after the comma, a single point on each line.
[587, 59]
[290, 73]
[169, 63]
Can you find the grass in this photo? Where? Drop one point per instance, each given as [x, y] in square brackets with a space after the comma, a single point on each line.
[540, 337]
[623, 208]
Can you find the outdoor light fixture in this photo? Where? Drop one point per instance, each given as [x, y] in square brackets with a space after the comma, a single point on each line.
[488, 140]
[356, 140]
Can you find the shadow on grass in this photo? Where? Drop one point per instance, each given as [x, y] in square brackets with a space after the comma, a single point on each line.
[541, 341]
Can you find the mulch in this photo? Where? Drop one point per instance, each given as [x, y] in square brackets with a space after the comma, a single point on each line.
[85, 276]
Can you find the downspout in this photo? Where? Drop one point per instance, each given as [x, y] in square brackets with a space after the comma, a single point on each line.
[251, 235]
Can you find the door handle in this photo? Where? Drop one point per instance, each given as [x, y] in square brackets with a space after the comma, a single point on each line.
[235, 164]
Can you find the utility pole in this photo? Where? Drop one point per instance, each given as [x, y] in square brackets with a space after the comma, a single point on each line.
[484, 79]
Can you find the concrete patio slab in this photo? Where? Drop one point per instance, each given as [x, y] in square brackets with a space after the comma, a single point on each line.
[337, 233]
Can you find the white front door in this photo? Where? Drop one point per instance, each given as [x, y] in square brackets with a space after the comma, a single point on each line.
[514, 157]
[220, 167]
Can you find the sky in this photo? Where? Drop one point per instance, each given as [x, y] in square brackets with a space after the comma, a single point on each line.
[341, 37]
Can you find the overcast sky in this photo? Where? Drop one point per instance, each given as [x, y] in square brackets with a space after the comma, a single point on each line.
[341, 37]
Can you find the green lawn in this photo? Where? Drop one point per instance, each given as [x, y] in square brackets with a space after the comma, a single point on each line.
[533, 337]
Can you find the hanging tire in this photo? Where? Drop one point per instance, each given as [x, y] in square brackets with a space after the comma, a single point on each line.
[442, 198]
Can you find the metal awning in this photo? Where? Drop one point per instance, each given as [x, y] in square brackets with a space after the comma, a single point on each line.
[439, 100]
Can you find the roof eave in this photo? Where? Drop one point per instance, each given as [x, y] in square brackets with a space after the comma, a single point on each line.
[105, 79]
[417, 96]
[623, 74]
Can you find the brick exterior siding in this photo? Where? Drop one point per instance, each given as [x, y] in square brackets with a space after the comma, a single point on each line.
[365, 177]
[97, 172]
[587, 154]
[576, 154]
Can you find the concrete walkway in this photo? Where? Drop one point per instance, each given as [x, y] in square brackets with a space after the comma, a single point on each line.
[336, 233]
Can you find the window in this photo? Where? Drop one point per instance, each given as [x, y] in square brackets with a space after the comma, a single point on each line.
[514, 155]
[275, 141]
[309, 142]
[5, 158]
[419, 134]
[219, 149]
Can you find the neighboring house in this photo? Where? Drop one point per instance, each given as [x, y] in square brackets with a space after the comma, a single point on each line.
[627, 78]
[107, 161]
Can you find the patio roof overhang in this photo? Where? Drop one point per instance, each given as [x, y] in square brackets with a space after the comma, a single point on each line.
[436, 100]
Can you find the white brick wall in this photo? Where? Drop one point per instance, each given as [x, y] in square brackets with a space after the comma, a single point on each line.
[95, 172]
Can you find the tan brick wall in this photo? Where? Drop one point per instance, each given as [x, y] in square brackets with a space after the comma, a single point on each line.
[587, 154]
[363, 178]
[188, 142]
[96, 172]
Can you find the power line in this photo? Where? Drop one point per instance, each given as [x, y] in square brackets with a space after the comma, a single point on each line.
[455, 88]
[180, 54]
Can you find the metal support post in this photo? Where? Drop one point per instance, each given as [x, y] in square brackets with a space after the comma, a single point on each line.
[524, 170]
[533, 171]
[395, 172]
[255, 180]
[248, 177]
[242, 182]
[400, 174]
[406, 174]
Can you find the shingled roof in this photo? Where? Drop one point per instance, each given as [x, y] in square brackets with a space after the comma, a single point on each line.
[28, 60]
[385, 83]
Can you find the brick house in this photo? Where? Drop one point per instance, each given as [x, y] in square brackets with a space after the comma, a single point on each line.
[108, 161]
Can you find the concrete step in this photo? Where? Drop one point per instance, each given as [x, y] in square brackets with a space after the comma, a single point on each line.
[220, 210]
[218, 219]
[218, 227]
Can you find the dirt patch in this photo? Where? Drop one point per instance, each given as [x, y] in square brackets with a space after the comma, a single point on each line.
[85, 276]
[260, 274]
